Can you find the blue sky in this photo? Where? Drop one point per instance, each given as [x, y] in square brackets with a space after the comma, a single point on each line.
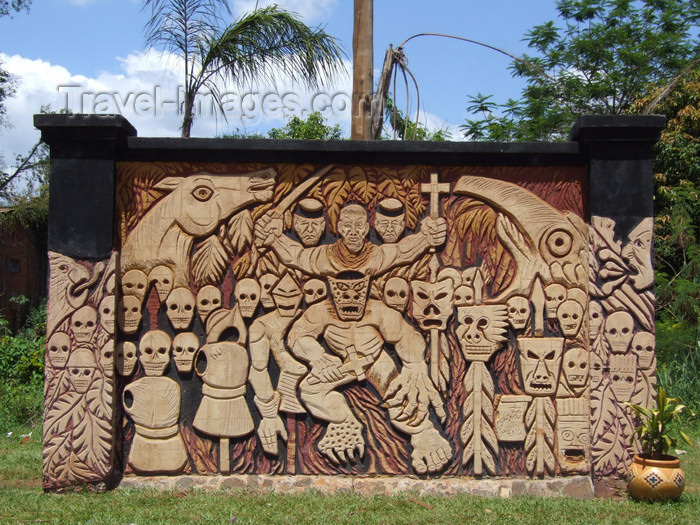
[98, 47]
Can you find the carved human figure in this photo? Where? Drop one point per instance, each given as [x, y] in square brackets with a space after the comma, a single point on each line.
[59, 349]
[180, 305]
[308, 222]
[352, 251]
[154, 352]
[81, 367]
[163, 279]
[209, 298]
[573, 441]
[390, 220]
[618, 331]
[540, 364]
[185, 345]
[355, 330]
[396, 294]
[637, 252]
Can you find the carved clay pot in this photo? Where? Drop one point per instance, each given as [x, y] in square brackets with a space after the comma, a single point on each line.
[655, 479]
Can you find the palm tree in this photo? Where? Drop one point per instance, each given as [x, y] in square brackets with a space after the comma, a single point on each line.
[261, 45]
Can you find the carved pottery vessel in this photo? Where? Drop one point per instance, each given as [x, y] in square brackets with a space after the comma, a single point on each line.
[655, 479]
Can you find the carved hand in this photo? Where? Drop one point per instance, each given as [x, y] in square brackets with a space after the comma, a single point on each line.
[268, 228]
[410, 395]
[327, 368]
[268, 431]
[435, 230]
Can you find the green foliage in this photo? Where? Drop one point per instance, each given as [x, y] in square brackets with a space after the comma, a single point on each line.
[600, 58]
[654, 431]
[407, 129]
[313, 128]
[7, 7]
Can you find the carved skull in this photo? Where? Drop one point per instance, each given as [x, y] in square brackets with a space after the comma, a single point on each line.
[107, 358]
[576, 365]
[555, 294]
[247, 294]
[464, 296]
[129, 314]
[135, 282]
[595, 370]
[623, 372]
[432, 303]
[540, 364]
[154, 352]
[518, 312]
[59, 349]
[185, 345]
[618, 331]
[396, 293]
[267, 281]
[180, 305]
[81, 366]
[83, 324]
[125, 358]
[481, 330]
[349, 293]
[209, 298]
[643, 345]
[163, 279]
[595, 320]
[107, 313]
[287, 296]
[570, 317]
[314, 291]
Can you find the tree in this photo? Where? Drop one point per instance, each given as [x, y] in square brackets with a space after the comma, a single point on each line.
[313, 128]
[408, 129]
[261, 45]
[7, 6]
[600, 60]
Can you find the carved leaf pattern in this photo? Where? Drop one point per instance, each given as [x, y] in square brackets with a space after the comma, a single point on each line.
[479, 427]
[238, 233]
[200, 450]
[209, 262]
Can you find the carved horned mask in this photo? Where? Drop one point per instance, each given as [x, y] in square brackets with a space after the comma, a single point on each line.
[432, 303]
[540, 364]
[349, 292]
[481, 330]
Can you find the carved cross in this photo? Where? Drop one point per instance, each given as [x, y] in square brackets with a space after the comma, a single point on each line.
[435, 189]
[355, 363]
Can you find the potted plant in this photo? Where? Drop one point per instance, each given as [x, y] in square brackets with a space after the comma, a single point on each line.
[654, 474]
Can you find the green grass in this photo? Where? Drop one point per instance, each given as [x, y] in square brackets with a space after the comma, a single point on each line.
[22, 501]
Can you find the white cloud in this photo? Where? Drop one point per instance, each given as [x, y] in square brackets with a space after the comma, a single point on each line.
[310, 11]
[81, 3]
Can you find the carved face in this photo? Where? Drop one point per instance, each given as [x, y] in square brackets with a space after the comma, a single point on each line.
[555, 294]
[518, 312]
[595, 320]
[540, 363]
[576, 365]
[643, 345]
[353, 227]
[81, 367]
[107, 358]
[163, 279]
[396, 294]
[389, 229]
[125, 358]
[637, 251]
[267, 281]
[481, 330]
[83, 324]
[247, 294]
[623, 373]
[129, 314]
[180, 305]
[314, 291]
[596, 370]
[618, 331]
[570, 317]
[432, 303]
[59, 349]
[108, 313]
[185, 345]
[287, 296]
[572, 433]
[208, 299]
[464, 296]
[135, 282]
[154, 352]
[309, 230]
[349, 297]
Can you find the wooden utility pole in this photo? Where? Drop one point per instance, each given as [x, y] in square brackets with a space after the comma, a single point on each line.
[363, 62]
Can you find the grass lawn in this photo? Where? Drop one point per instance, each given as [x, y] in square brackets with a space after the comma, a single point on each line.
[23, 501]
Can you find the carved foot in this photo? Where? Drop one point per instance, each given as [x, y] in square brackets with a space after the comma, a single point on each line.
[431, 451]
[342, 440]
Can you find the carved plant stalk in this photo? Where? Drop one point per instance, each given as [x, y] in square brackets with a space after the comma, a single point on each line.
[477, 434]
[539, 443]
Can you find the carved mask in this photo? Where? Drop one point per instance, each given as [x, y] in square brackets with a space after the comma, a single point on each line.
[135, 282]
[481, 330]
[396, 294]
[59, 349]
[388, 228]
[618, 331]
[575, 365]
[208, 299]
[314, 291]
[154, 352]
[432, 303]
[573, 434]
[595, 320]
[83, 324]
[540, 364]
[180, 305]
[287, 296]
[637, 251]
[267, 281]
[643, 345]
[185, 345]
[163, 279]
[125, 358]
[309, 229]
[108, 313]
[349, 293]
[518, 312]
[570, 317]
[81, 367]
[247, 294]
[623, 372]
[107, 358]
[555, 294]
[464, 296]
[129, 314]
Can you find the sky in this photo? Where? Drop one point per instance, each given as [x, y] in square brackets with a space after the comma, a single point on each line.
[89, 56]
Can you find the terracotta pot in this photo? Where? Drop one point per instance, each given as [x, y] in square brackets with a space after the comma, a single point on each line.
[655, 479]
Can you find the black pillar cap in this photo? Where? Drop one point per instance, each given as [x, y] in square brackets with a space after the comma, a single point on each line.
[643, 128]
[74, 128]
